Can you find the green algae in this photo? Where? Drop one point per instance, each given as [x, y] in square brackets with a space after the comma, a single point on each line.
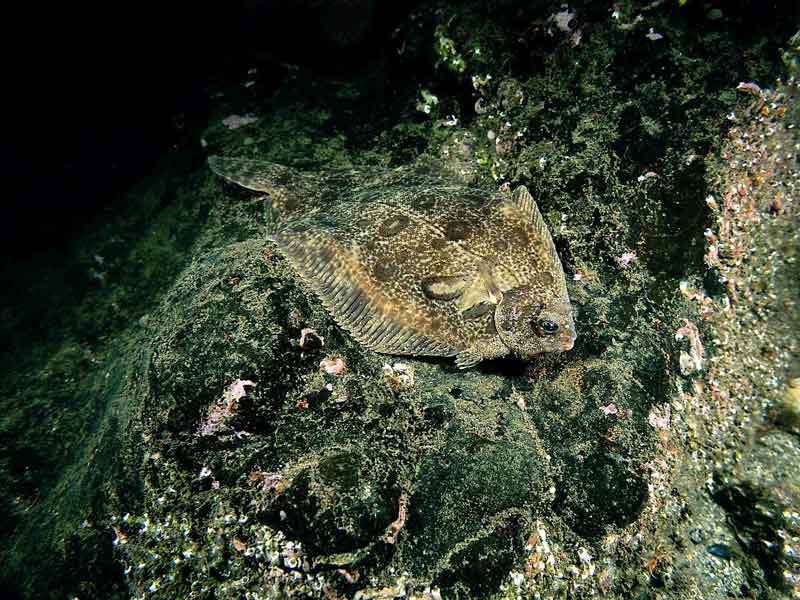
[67, 384]
[559, 478]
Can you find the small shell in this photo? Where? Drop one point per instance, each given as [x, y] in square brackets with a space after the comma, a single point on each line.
[399, 375]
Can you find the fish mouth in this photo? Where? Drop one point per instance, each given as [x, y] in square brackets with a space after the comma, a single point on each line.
[566, 342]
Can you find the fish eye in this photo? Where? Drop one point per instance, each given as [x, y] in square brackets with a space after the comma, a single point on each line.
[547, 326]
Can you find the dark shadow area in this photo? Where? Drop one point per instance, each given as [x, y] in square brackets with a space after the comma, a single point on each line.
[104, 92]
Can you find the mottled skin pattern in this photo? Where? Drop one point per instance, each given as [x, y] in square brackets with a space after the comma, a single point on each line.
[410, 263]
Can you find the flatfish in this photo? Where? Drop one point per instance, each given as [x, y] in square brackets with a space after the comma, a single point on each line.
[411, 263]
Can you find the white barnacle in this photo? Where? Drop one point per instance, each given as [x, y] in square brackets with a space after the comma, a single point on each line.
[653, 35]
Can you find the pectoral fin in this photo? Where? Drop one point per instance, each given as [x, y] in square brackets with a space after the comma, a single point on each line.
[444, 287]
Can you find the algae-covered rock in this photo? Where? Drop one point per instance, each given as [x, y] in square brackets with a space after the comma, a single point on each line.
[477, 495]
[332, 473]
[461, 465]
[247, 446]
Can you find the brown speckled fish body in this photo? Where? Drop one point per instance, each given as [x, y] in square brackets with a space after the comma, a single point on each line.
[411, 263]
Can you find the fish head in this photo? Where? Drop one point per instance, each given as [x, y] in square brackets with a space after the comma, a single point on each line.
[528, 326]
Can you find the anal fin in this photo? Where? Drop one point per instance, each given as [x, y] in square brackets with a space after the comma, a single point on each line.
[355, 300]
[468, 358]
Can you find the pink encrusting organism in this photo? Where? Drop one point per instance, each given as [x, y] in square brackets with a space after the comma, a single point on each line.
[221, 411]
[609, 409]
[626, 259]
[693, 361]
[659, 418]
[332, 365]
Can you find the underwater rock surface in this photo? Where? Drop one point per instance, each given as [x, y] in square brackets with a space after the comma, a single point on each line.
[240, 444]
[353, 481]
[325, 461]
